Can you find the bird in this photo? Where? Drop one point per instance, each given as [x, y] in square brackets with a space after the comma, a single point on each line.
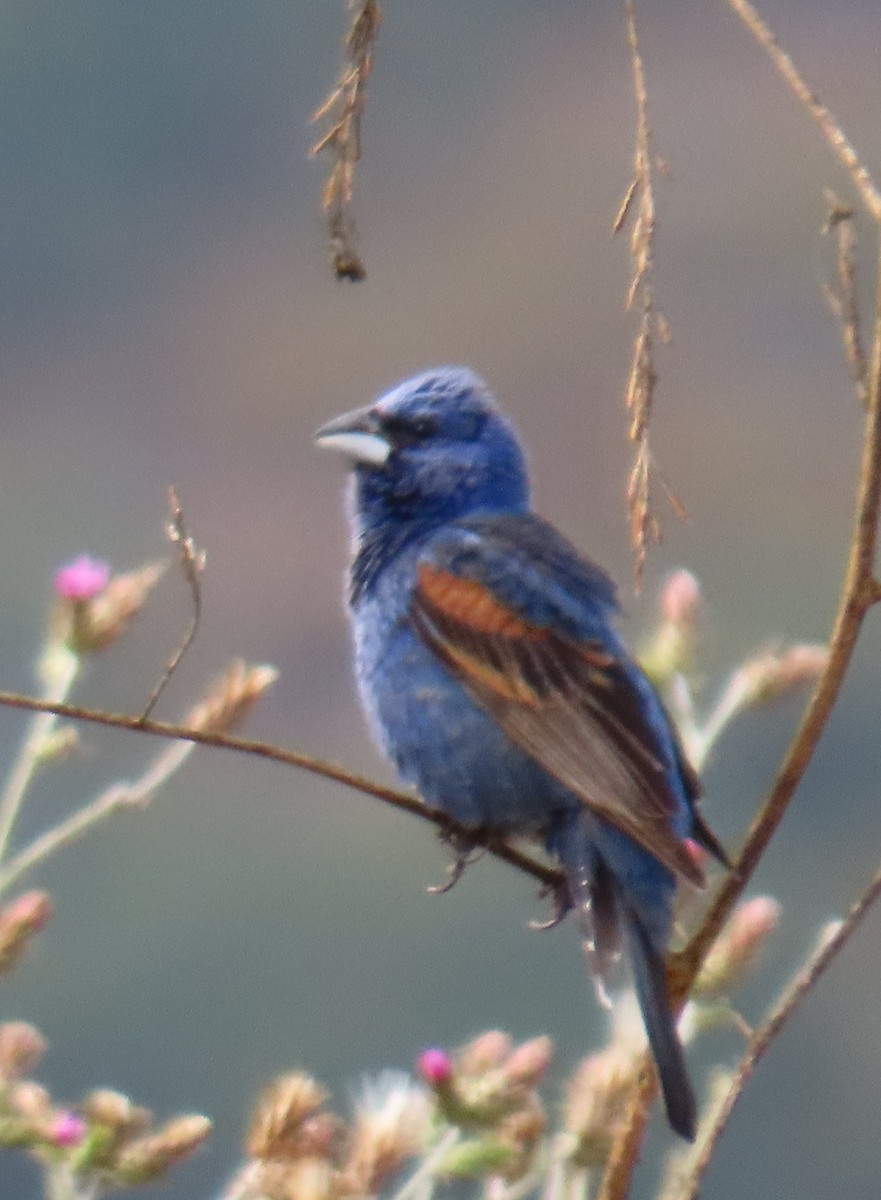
[493, 676]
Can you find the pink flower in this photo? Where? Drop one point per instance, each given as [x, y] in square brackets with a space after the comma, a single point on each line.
[68, 1129]
[435, 1066]
[82, 579]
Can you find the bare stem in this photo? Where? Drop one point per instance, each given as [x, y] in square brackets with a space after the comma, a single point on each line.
[62, 1184]
[428, 1167]
[61, 673]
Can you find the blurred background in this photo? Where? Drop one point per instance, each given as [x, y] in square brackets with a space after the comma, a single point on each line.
[167, 315]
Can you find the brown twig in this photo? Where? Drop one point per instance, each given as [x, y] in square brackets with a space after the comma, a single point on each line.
[344, 109]
[192, 563]
[829, 126]
[548, 877]
[828, 949]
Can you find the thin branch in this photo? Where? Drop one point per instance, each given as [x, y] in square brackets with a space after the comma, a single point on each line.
[829, 948]
[829, 127]
[192, 562]
[549, 877]
[60, 672]
[344, 108]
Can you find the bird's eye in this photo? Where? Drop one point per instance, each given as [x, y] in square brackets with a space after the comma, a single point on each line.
[405, 431]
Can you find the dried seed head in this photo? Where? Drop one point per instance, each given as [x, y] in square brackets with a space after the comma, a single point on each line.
[21, 1048]
[149, 1157]
[595, 1103]
[231, 697]
[528, 1062]
[276, 1130]
[392, 1125]
[772, 672]
[488, 1050]
[116, 1113]
[736, 950]
[31, 1101]
[19, 921]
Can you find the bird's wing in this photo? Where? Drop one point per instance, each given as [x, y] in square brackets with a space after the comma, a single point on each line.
[552, 681]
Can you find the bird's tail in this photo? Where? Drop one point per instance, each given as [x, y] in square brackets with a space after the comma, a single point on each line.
[650, 981]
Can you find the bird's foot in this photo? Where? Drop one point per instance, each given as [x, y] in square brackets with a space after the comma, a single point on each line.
[465, 852]
[562, 901]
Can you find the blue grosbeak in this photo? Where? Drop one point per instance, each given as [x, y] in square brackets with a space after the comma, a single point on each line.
[494, 678]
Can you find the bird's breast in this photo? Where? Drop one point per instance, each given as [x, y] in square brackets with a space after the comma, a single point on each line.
[450, 749]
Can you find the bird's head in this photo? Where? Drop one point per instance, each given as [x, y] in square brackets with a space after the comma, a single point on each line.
[434, 448]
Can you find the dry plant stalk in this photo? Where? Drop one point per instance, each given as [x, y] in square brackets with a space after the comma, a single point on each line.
[644, 525]
[344, 108]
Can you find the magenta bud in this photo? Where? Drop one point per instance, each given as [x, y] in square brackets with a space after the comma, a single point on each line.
[68, 1129]
[435, 1066]
[82, 579]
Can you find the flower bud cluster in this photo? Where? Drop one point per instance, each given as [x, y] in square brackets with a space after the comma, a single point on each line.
[106, 1141]
[487, 1090]
[92, 608]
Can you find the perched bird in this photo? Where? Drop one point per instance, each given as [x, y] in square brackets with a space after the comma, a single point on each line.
[494, 678]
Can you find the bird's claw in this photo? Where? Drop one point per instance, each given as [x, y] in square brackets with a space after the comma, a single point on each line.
[464, 854]
[562, 904]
